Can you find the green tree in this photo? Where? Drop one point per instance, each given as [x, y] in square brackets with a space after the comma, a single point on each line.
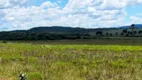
[132, 28]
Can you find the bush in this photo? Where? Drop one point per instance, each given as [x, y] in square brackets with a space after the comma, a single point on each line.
[3, 41]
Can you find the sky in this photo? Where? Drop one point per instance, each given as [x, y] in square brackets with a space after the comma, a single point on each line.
[26, 14]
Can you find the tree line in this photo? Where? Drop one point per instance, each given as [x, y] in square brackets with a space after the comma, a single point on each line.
[41, 36]
[126, 32]
[59, 33]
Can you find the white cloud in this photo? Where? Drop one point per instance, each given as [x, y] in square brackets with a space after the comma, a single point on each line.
[136, 20]
[48, 4]
[113, 4]
[17, 1]
[77, 13]
[4, 3]
[11, 3]
[139, 1]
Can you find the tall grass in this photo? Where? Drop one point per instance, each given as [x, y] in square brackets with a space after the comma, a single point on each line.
[71, 62]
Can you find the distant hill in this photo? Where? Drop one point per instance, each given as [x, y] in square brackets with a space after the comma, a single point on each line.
[56, 29]
[63, 29]
[76, 29]
[60, 32]
[136, 26]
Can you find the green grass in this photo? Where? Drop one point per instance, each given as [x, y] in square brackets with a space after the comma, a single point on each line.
[99, 41]
[71, 62]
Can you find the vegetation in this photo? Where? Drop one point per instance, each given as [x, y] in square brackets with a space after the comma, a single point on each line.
[64, 53]
[132, 27]
[70, 62]
[68, 33]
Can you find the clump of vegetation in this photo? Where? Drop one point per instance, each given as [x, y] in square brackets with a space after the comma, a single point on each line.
[3, 41]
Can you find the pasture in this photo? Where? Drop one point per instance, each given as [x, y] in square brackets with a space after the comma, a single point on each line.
[71, 62]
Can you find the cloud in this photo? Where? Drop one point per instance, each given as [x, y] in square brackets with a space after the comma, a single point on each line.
[113, 4]
[10, 3]
[17, 2]
[4, 3]
[77, 13]
[48, 5]
[24, 18]
[136, 20]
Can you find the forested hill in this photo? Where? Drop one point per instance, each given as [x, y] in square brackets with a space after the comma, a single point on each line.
[50, 33]
[136, 26]
[62, 29]
[57, 29]
[59, 32]
[71, 29]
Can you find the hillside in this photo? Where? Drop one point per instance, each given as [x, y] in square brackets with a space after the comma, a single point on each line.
[59, 33]
[56, 29]
[65, 29]
[136, 26]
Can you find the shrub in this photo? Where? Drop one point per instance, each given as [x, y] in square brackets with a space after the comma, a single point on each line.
[3, 41]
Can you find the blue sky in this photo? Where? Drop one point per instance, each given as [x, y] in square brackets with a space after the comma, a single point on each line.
[25, 14]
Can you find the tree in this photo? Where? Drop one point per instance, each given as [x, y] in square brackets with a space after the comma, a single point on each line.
[132, 28]
[116, 33]
[99, 33]
[135, 32]
[124, 31]
[122, 34]
[110, 34]
[140, 32]
[107, 34]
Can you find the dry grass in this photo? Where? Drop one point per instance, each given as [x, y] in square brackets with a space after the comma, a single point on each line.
[71, 62]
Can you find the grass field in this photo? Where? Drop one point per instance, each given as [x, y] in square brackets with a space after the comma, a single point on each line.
[70, 62]
[99, 41]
